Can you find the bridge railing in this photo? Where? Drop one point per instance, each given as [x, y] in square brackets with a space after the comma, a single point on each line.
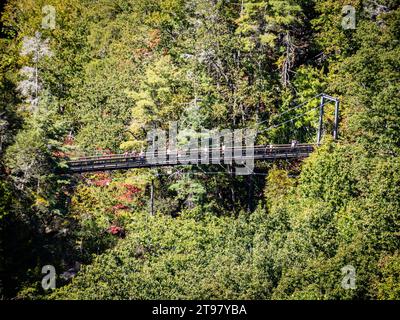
[227, 155]
[228, 150]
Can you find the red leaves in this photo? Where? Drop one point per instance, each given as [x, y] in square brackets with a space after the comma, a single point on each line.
[59, 154]
[68, 140]
[101, 180]
[155, 39]
[130, 191]
[116, 231]
[131, 188]
[120, 206]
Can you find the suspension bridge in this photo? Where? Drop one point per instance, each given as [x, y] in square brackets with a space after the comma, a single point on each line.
[214, 153]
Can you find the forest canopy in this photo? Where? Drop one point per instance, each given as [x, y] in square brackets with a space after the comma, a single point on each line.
[83, 77]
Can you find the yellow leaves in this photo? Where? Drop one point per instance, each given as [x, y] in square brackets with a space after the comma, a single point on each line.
[41, 202]
[156, 99]
[162, 72]
[245, 29]
[122, 214]
[138, 178]
[143, 101]
[154, 77]
[220, 111]
[247, 44]
[278, 184]
[130, 145]
[281, 60]
[268, 39]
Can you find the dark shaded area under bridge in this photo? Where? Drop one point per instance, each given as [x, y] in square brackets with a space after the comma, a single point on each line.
[129, 161]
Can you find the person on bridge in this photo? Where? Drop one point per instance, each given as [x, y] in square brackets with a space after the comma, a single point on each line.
[141, 155]
[294, 144]
[168, 153]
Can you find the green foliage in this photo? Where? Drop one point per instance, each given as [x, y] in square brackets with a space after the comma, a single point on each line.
[280, 253]
[119, 69]
[387, 285]
[173, 258]
[5, 199]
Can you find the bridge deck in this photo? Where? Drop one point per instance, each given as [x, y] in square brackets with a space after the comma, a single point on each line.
[228, 156]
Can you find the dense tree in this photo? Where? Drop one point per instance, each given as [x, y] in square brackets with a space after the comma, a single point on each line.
[112, 70]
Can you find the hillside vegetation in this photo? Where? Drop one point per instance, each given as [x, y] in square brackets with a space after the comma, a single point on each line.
[112, 70]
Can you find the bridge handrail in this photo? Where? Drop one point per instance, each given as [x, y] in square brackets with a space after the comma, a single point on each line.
[137, 156]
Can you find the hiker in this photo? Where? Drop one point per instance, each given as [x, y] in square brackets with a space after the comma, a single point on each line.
[168, 153]
[141, 155]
